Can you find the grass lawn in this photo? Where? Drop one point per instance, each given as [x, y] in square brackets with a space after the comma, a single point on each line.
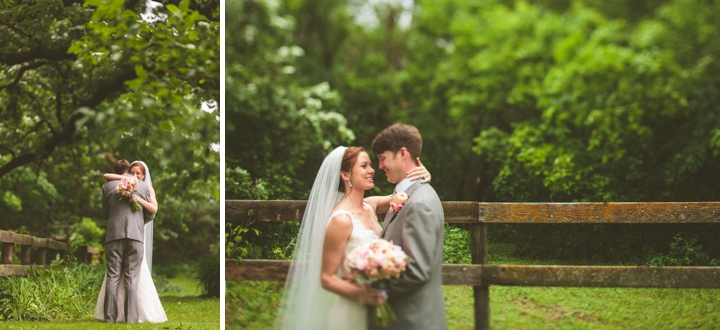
[252, 305]
[185, 310]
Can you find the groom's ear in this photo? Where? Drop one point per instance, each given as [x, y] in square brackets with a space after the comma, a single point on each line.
[404, 153]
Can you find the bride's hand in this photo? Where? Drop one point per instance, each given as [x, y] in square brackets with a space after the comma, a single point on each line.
[136, 198]
[371, 296]
[419, 172]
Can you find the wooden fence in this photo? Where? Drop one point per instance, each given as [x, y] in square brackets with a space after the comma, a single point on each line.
[481, 275]
[35, 251]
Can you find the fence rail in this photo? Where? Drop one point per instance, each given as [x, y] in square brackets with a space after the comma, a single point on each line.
[35, 251]
[481, 275]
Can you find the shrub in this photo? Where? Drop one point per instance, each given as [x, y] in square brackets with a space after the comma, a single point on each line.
[683, 253]
[456, 249]
[207, 274]
[56, 293]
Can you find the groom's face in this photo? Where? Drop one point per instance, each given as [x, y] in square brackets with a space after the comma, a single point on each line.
[391, 164]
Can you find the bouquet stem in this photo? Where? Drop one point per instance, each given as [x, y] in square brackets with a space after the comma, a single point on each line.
[383, 314]
[136, 206]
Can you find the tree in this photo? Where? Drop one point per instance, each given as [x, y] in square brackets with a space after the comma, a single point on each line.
[82, 85]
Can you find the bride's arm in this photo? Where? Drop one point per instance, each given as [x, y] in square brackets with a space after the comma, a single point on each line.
[150, 205]
[336, 237]
[381, 204]
[112, 176]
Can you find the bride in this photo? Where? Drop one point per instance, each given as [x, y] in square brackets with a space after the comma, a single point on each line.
[337, 219]
[150, 308]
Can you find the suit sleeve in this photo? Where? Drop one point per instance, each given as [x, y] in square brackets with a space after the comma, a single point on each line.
[419, 234]
[105, 206]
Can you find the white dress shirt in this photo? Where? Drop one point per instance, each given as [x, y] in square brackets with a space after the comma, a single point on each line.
[403, 185]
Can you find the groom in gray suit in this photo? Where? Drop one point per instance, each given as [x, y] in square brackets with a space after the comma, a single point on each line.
[417, 297]
[123, 245]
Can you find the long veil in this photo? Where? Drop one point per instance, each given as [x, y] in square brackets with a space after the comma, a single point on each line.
[148, 240]
[305, 304]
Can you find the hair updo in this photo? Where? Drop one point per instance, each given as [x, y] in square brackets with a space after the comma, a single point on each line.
[349, 159]
[140, 165]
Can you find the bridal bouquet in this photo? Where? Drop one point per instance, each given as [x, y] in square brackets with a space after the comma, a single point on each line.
[376, 263]
[126, 187]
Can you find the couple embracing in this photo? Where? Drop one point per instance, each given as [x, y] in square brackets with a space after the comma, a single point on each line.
[337, 219]
[128, 293]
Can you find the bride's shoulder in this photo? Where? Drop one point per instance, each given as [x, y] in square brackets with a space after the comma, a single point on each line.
[340, 215]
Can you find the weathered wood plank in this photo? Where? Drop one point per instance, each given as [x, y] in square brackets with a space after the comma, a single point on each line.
[239, 210]
[22, 239]
[603, 276]
[471, 212]
[39, 242]
[695, 212]
[256, 270]
[56, 245]
[476, 275]
[277, 270]
[13, 270]
[7, 236]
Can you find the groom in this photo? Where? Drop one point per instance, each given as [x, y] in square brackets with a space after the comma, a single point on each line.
[417, 297]
[123, 245]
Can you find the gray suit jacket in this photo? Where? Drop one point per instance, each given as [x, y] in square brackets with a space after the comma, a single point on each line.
[417, 297]
[122, 221]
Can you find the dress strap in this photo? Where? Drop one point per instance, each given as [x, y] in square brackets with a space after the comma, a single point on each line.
[338, 212]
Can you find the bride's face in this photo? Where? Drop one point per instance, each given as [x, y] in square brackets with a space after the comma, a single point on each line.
[137, 173]
[362, 173]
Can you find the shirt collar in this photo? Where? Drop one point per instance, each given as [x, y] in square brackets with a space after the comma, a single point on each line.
[403, 185]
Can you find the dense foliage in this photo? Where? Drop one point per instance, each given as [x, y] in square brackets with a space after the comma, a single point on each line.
[85, 84]
[57, 293]
[517, 101]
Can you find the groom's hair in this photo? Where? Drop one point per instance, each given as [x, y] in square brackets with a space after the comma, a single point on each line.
[397, 136]
[122, 166]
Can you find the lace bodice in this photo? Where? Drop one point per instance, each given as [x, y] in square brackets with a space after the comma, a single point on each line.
[359, 236]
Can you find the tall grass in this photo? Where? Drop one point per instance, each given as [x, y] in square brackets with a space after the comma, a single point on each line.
[57, 293]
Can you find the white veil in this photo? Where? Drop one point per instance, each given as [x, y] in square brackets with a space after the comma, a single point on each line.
[148, 243]
[305, 304]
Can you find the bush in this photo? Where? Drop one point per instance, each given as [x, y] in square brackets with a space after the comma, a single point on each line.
[683, 253]
[456, 249]
[207, 274]
[57, 293]
[86, 233]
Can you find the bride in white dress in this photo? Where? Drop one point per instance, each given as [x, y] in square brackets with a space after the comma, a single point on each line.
[150, 308]
[336, 220]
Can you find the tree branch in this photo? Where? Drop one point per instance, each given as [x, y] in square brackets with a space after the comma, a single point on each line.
[36, 54]
[20, 74]
[104, 91]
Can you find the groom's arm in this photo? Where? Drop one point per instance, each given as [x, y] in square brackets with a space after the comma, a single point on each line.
[419, 234]
[105, 206]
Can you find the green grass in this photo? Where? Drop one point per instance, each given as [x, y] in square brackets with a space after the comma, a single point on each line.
[188, 286]
[184, 309]
[182, 312]
[253, 305]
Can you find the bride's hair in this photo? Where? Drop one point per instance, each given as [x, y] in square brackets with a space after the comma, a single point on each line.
[142, 168]
[349, 159]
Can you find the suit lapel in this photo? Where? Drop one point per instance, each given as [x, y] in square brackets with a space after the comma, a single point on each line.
[391, 214]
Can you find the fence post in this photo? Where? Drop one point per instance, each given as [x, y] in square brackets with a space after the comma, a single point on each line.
[40, 245]
[25, 242]
[8, 243]
[481, 293]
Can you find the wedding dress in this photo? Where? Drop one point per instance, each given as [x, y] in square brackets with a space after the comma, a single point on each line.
[149, 307]
[345, 313]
